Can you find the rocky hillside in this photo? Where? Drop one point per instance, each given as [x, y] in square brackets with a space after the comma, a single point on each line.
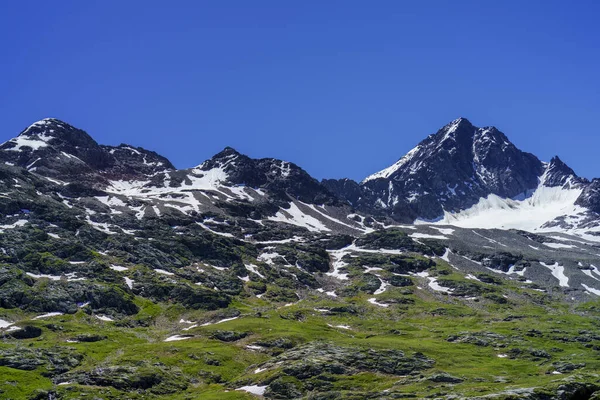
[124, 277]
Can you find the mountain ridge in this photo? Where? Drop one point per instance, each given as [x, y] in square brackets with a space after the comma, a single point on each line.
[448, 172]
[124, 277]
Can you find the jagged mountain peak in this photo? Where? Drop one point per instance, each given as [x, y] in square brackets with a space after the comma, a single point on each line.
[225, 159]
[282, 178]
[54, 131]
[451, 170]
[45, 133]
[56, 149]
[227, 152]
[558, 173]
[456, 140]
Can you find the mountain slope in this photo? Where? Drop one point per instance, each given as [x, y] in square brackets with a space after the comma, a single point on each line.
[123, 277]
[475, 177]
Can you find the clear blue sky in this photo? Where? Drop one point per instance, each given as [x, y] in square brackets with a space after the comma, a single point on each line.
[342, 88]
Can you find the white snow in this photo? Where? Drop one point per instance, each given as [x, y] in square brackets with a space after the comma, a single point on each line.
[206, 227]
[382, 288]
[529, 214]
[593, 272]
[339, 326]
[558, 271]
[489, 240]
[338, 264]
[51, 277]
[48, 315]
[219, 322]
[118, 268]
[14, 225]
[163, 272]
[129, 282]
[190, 327]
[559, 245]
[591, 289]
[254, 269]
[295, 216]
[111, 201]
[387, 172]
[374, 302]
[446, 256]
[372, 269]
[418, 235]
[254, 389]
[433, 284]
[337, 221]
[25, 141]
[444, 231]
[4, 324]
[175, 338]
[104, 318]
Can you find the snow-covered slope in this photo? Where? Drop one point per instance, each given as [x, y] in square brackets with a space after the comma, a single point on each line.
[475, 177]
[462, 175]
[554, 198]
[531, 214]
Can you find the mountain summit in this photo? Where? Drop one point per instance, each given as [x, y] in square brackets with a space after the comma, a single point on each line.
[453, 175]
[452, 170]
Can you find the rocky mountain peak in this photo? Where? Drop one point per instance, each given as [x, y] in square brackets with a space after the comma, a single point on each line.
[448, 171]
[52, 131]
[558, 173]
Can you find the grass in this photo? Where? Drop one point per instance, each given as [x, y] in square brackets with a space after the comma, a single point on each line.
[214, 369]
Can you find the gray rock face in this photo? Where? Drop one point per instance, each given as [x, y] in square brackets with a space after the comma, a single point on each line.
[280, 178]
[453, 169]
[449, 170]
[56, 360]
[56, 149]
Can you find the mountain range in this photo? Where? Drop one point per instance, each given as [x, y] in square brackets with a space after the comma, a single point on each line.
[122, 276]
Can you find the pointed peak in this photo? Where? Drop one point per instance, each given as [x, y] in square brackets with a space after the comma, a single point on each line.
[43, 125]
[558, 173]
[557, 164]
[227, 152]
[461, 120]
[221, 159]
[459, 126]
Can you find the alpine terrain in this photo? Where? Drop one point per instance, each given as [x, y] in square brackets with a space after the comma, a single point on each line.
[468, 269]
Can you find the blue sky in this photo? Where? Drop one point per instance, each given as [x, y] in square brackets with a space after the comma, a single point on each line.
[342, 88]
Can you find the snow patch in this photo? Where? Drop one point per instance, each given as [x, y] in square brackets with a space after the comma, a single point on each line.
[295, 216]
[558, 271]
[254, 389]
[175, 338]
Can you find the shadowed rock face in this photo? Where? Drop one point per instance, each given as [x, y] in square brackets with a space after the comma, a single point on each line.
[53, 148]
[281, 178]
[449, 171]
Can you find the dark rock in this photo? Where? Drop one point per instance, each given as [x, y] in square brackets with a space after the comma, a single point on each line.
[444, 377]
[56, 360]
[89, 338]
[26, 332]
[228, 336]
